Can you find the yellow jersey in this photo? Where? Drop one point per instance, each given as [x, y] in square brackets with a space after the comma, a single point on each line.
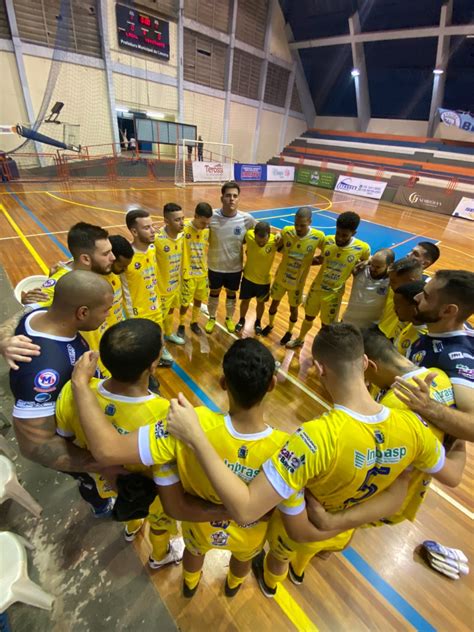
[389, 323]
[115, 315]
[242, 453]
[195, 247]
[49, 286]
[338, 263]
[408, 335]
[441, 390]
[259, 259]
[169, 253]
[139, 285]
[298, 253]
[344, 457]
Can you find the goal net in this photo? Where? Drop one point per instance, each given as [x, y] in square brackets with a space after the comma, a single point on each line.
[202, 161]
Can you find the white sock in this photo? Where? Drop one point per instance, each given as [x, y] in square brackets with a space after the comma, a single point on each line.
[230, 307]
[212, 305]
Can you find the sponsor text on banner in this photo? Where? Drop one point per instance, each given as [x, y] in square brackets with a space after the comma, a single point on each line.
[212, 171]
[360, 186]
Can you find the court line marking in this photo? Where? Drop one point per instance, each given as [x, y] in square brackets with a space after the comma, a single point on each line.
[24, 240]
[56, 232]
[452, 501]
[97, 208]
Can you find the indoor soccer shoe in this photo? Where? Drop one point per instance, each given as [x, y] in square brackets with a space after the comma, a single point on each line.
[266, 330]
[209, 328]
[180, 331]
[296, 579]
[130, 536]
[229, 323]
[433, 547]
[175, 339]
[194, 327]
[286, 338]
[231, 592]
[105, 511]
[240, 325]
[258, 328]
[166, 358]
[257, 568]
[189, 592]
[174, 555]
[294, 344]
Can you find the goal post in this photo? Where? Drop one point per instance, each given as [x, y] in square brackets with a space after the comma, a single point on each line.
[202, 161]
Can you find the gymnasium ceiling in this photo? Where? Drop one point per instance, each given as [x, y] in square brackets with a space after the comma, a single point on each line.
[399, 71]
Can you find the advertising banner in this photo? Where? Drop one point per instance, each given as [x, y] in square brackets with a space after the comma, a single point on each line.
[324, 179]
[212, 171]
[250, 173]
[465, 209]
[457, 118]
[281, 173]
[360, 186]
[427, 198]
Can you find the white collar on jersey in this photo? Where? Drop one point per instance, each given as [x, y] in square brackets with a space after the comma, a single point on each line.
[452, 334]
[247, 437]
[39, 334]
[367, 419]
[123, 398]
[417, 371]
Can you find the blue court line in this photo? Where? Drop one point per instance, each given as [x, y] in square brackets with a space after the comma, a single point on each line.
[407, 611]
[40, 224]
[391, 595]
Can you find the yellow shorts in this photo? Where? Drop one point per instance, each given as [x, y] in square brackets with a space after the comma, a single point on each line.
[194, 288]
[159, 520]
[243, 542]
[167, 302]
[278, 291]
[287, 550]
[326, 304]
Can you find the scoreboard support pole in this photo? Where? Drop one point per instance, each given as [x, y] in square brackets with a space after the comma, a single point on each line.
[103, 25]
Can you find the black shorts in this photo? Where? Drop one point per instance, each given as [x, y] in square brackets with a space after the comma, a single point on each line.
[248, 290]
[229, 280]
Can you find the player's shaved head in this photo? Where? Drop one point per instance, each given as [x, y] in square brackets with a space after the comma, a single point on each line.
[339, 347]
[305, 212]
[80, 288]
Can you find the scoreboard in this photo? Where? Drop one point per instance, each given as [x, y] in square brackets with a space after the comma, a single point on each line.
[142, 33]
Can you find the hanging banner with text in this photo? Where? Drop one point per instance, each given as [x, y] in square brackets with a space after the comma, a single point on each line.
[465, 209]
[283, 173]
[250, 173]
[323, 179]
[212, 171]
[360, 186]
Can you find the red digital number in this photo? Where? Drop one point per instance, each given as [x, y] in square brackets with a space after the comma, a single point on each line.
[144, 20]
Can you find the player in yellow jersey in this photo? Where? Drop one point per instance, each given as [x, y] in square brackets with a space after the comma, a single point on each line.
[403, 271]
[409, 327]
[298, 245]
[385, 363]
[130, 350]
[140, 280]
[340, 254]
[261, 246]
[348, 455]
[194, 282]
[169, 255]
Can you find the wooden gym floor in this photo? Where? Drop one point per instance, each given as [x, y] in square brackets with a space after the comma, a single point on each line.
[380, 582]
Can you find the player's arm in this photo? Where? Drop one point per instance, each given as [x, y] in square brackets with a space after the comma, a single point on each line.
[33, 296]
[244, 503]
[458, 422]
[39, 442]
[16, 348]
[453, 469]
[105, 443]
[180, 505]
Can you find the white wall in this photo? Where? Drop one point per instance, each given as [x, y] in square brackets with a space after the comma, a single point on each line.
[12, 108]
[343, 123]
[398, 126]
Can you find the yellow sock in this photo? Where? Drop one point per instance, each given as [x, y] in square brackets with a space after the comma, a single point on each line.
[271, 319]
[191, 579]
[270, 578]
[233, 580]
[305, 327]
[159, 544]
[133, 525]
[182, 318]
[291, 325]
[168, 325]
[195, 314]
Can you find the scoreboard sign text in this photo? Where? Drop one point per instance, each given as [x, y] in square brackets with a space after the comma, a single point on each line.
[142, 33]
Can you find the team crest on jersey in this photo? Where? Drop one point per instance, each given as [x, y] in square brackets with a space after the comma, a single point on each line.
[220, 524]
[49, 283]
[71, 353]
[242, 452]
[288, 244]
[138, 265]
[237, 230]
[405, 344]
[160, 430]
[188, 236]
[327, 253]
[46, 381]
[219, 538]
[110, 410]
[379, 437]
[350, 258]
[418, 357]
[268, 249]
[166, 248]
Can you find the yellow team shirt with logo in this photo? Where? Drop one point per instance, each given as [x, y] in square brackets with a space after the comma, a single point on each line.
[389, 323]
[139, 284]
[344, 458]
[49, 286]
[338, 263]
[115, 315]
[441, 390]
[169, 254]
[126, 414]
[298, 253]
[195, 247]
[408, 335]
[259, 258]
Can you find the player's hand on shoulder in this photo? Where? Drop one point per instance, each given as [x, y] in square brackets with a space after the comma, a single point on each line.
[18, 349]
[85, 368]
[33, 296]
[54, 268]
[360, 266]
[415, 396]
[183, 422]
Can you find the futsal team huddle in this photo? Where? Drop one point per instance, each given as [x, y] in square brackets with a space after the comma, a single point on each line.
[398, 365]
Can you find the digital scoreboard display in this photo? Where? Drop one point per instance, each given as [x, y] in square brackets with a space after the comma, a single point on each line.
[142, 33]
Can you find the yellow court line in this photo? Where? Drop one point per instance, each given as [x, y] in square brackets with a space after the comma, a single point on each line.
[293, 611]
[24, 240]
[95, 208]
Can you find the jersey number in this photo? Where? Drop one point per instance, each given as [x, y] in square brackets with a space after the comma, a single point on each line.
[367, 486]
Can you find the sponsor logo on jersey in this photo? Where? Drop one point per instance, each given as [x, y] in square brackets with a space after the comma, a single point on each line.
[437, 346]
[465, 371]
[417, 357]
[71, 353]
[46, 381]
[49, 283]
[376, 455]
[243, 471]
[160, 430]
[220, 524]
[459, 355]
[42, 398]
[290, 461]
[307, 440]
[219, 538]
[379, 436]
[350, 258]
